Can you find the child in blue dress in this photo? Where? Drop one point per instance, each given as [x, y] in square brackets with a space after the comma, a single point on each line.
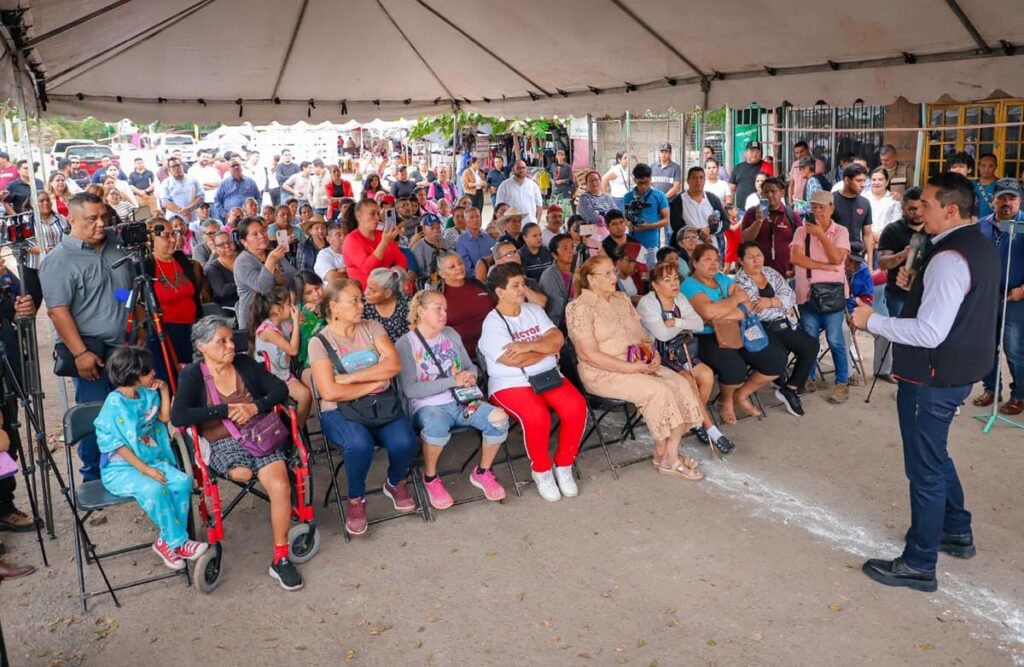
[135, 453]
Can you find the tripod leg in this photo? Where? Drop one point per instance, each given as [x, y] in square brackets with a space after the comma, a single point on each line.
[875, 380]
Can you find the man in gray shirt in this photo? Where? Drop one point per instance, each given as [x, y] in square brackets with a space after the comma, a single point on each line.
[429, 250]
[80, 286]
[667, 176]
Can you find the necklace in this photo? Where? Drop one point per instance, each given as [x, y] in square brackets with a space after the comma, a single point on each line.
[172, 282]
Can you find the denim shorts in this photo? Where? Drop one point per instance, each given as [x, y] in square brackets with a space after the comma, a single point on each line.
[436, 422]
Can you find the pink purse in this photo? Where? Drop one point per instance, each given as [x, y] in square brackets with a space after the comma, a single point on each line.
[8, 466]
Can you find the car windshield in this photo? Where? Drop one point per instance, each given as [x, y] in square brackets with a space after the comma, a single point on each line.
[178, 139]
[90, 152]
[61, 146]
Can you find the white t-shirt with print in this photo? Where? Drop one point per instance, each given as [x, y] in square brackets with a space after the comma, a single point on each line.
[531, 324]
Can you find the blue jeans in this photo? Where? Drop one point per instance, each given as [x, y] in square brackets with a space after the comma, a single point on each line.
[1014, 348]
[813, 323]
[320, 211]
[936, 497]
[436, 422]
[358, 442]
[894, 302]
[87, 391]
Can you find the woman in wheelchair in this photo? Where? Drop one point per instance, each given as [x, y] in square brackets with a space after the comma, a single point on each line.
[353, 363]
[618, 360]
[245, 389]
[440, 382]
[136, 458]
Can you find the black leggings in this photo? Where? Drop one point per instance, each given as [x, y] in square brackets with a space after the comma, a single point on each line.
[731, 365]
[803, 347]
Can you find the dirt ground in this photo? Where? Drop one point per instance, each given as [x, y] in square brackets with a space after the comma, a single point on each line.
[758, 564]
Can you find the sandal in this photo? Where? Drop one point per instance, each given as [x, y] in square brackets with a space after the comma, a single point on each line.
[682, 472]
[702, 435]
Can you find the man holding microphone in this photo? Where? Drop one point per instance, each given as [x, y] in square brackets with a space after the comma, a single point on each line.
[943, 342]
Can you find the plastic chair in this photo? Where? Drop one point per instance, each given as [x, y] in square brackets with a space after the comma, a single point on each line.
[85, 498]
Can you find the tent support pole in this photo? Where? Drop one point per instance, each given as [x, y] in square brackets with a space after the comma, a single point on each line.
[629, 133]
[591, 159]
[954, 6]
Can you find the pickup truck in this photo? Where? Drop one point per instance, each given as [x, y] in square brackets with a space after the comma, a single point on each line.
[90, 157]
[60, 147]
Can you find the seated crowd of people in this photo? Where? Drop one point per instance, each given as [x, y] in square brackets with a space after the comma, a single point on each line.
[406, 318]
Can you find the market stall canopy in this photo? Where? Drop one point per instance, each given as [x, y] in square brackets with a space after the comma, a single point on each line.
[287, 60]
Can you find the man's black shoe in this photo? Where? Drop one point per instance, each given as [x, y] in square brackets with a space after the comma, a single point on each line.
[790, 400]
[897, 573]
[961, 546]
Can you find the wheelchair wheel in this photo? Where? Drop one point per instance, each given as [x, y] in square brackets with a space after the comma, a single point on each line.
[209, 570]
[302, 546]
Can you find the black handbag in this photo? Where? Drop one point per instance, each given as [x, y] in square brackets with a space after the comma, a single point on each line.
[64, 361]
[541, 382]
[823, 298]
[370, 410]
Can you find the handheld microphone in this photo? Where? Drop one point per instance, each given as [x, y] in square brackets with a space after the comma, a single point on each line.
[917, 242]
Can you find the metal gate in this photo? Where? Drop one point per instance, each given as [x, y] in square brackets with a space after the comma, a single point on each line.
[858, 129]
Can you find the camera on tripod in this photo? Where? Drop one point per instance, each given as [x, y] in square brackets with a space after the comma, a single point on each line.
[135, 234]
[16, 229]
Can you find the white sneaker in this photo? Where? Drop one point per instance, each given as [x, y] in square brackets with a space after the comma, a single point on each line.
[566, 481]
[546, 486]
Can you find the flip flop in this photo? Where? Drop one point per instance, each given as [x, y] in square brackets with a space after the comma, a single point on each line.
[682, 472]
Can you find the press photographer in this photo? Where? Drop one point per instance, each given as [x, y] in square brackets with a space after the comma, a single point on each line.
[80, 287]
[647, 210]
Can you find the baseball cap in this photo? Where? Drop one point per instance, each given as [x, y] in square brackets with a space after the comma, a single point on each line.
[823, 198]
[754, 145]
[856, 251]
[385, 200]
[1007, 186]
[5, 155]
[555, 208]
[429, 220]
[665, 147]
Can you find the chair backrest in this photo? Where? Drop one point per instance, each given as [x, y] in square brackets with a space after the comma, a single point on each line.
[567, 363]
[78, 422]
[241, 338]
[213, 308]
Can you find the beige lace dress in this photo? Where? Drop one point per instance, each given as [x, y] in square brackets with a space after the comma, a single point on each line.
[665, 399]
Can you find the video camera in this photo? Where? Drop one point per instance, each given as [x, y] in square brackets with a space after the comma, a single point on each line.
[634, 209]
[16, 229]
[135, 234]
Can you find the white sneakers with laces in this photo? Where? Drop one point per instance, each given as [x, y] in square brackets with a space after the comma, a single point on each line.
[546, 485]
[566, 481]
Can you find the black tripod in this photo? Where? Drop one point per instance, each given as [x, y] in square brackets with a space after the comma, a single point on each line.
[33, 386]
[142, 294]
[9, 383]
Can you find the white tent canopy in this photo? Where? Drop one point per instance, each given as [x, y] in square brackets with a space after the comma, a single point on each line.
[314, 60]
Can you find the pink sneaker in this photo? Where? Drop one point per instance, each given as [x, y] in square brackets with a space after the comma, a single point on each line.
[400, 496]
[487, 483]
[170, 556]
[355, 516]
[439, 497]
[192, 550]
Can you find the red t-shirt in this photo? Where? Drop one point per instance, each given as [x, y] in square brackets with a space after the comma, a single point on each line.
[777, 231]
[467, 307]
[174, 292]
[733, 239]
[357, 251]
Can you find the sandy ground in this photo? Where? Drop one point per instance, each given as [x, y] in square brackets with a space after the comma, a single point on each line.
[758, 564]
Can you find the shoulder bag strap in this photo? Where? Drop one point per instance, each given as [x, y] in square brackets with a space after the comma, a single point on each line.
[331, 354]
[807, 251]
[215, 396]
[510, 335]
[430, 353]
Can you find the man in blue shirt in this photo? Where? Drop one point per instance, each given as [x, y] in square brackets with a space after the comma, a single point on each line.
[652, 211]
[1006, 204]
[234, 189]
[496, 177]
[473, 245]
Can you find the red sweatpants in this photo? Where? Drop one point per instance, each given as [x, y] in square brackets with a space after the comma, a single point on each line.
[532, 410]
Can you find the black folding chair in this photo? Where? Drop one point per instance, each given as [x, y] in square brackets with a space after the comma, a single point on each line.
[88, 497]
[335, 488]
[598, 408]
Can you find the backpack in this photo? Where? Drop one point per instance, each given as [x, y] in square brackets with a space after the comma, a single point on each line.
[823, 181]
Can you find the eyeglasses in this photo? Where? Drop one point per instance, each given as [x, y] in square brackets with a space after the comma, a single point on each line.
[209, 233]
[510, 253]
[224, 244]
